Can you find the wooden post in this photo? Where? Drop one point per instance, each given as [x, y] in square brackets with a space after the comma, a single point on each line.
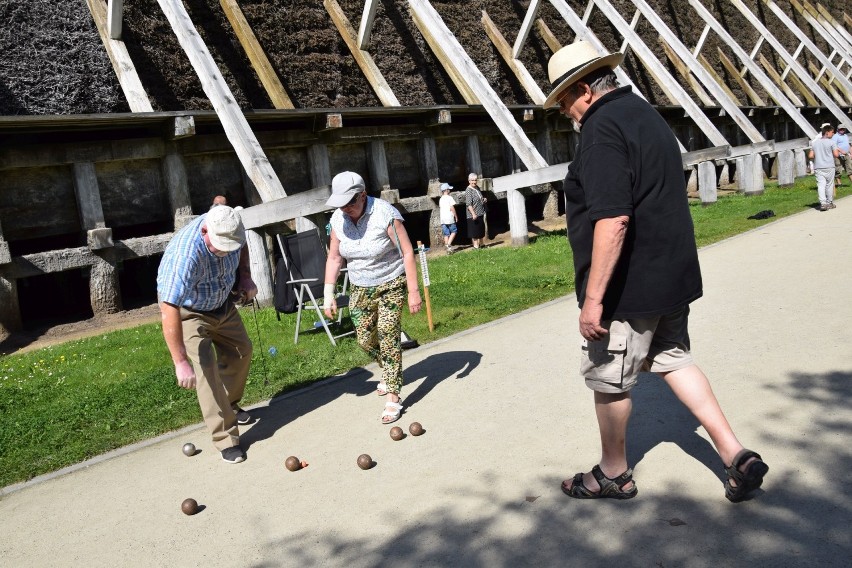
[10, 312]
[424, 271]
[429, 165]
[525, 27]
[377, 164]
[104, 293]
[707, 182]
[174, 177]
[786, 165]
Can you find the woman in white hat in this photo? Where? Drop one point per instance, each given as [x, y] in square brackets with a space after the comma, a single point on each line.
[368, 237]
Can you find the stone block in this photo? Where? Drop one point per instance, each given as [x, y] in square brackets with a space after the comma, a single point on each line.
[97, 239]
[390, 195]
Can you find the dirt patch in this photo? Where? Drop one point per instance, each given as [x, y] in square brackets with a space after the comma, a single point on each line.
[47, 335]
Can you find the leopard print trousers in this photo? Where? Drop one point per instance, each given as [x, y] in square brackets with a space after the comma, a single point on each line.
[377, 317]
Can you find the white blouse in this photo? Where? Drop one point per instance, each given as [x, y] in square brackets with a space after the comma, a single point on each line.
[372, 257]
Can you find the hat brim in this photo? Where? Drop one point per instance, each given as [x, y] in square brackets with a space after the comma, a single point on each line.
[225, 244]
[612, 61]
[341, 199]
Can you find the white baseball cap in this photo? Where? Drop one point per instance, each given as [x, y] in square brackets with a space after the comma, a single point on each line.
[344, 187]
[225, 228]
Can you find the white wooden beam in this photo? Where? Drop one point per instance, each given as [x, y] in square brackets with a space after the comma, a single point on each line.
[115, 8]
[525, 27]
[802, 73]
[699, 45]
[363, 58]
[698, 70]
[831, 22]
[806, 41]
[504, 49]
[425, 17]
[831, 36]
[582, 32]
[752, 67]
[122, 64]
[365, 30]
[239, 134]
[772, 73]
[686, 73]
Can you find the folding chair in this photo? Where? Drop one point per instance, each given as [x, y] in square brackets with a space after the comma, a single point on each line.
[304, 256]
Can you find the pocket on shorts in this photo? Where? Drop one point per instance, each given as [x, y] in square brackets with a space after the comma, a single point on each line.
[603, 360]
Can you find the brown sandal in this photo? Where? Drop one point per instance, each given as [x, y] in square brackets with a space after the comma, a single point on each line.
[746, 481]
[610, 488]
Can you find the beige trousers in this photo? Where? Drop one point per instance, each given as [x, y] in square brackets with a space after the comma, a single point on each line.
[220, 351]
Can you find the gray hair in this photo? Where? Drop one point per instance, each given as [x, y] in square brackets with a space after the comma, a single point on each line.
[600, 81]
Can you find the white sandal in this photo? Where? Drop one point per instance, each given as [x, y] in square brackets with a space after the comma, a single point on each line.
[393, 410]
[381, 389]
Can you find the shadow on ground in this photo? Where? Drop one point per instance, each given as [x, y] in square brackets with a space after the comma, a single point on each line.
[793, 523]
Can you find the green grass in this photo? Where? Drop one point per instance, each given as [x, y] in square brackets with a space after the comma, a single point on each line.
[63, 404]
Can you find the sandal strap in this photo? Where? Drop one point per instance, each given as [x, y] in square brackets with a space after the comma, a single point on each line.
[394, 405]
[743, 456]
[612, 485]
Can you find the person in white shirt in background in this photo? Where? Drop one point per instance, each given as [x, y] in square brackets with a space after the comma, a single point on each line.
[449, 218]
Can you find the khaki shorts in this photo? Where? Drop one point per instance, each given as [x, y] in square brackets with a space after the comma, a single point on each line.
[658, 344]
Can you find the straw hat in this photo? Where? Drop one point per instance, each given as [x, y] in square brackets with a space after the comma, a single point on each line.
[573, 62]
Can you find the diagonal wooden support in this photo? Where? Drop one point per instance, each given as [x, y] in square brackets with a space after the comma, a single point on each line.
[831, 22]
[532, 11]
[744, 85]
[654, 66]
[267, 75]
[686, 73]
[236, 127]
[504, 49]
[776, 77]
[362, 58]
[709, 83]
[122, 64]
[451, 54]
[830, 35]
[756, 72]
[547, 35]
[365, 30]
[709, 68]
[802, 73]
[827, 85]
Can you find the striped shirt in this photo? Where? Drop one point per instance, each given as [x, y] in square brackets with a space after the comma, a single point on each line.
[371, 256]
[473, 198]
[190, 276]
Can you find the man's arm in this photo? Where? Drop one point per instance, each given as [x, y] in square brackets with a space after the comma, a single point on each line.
[607, 244]
[246, 285]
[173, 334]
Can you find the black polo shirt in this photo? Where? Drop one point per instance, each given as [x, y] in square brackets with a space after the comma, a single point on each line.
[629, 163]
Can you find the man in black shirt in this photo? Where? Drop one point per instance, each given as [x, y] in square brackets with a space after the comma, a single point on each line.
[636, 267]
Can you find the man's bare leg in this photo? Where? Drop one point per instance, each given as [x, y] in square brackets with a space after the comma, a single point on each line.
[692, 388]
[613, 412]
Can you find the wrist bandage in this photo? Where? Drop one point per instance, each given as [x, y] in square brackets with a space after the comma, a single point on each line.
[327, 295]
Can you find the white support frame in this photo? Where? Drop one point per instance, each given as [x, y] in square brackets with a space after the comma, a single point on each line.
[529, 18]
[115, 11]
[750, 66]
[365, 30]
[800, 72]
[698, 70]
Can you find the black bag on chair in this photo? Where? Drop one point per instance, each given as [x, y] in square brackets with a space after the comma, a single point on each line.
[284, 295]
